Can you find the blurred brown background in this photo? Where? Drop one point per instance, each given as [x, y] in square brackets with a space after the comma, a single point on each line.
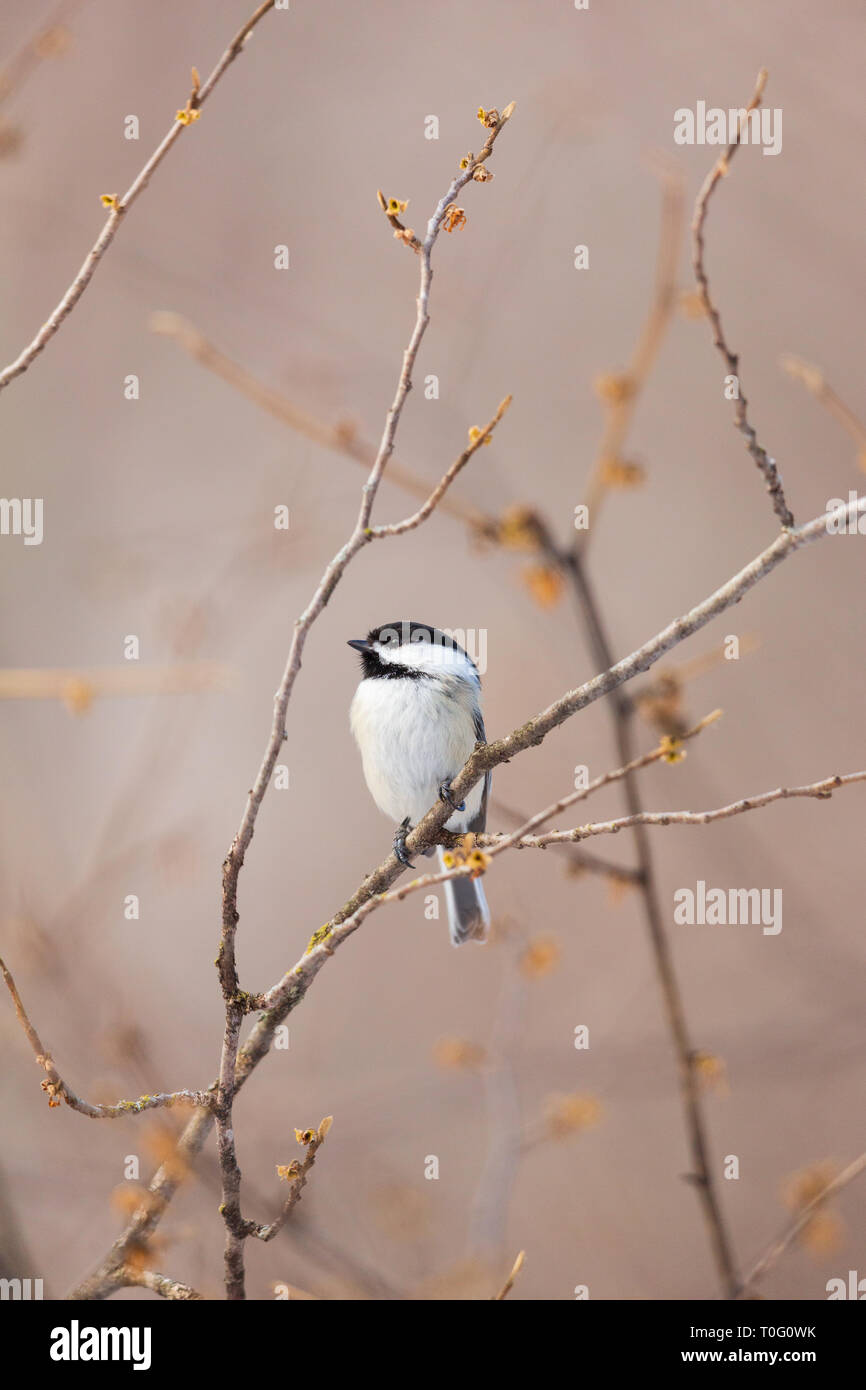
[158, 522]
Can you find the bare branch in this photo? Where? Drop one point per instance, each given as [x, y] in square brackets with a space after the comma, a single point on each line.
[822, 791]
[341, 438]
[159, 1283]
[296, 1174]
[79, 688]
[668, 750]
[778, 1247]
[57, 1090]
[236, 1003]
[620, 392]
[493, 845]
[577, 861]
[121, 205]
[815, 382]
[766, 465]
[479, 437]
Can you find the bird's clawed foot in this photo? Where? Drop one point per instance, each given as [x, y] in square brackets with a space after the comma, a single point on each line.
[400, 843]
[446, 795]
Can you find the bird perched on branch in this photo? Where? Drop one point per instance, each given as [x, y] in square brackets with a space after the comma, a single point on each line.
[416, 717]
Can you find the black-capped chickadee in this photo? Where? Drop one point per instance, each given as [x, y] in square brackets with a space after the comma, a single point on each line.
[416, 716]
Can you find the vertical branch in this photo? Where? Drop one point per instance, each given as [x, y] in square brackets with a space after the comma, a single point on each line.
[766, 465]
[489, 1212]
[623, 711]
[623, 391]
[236, 1002]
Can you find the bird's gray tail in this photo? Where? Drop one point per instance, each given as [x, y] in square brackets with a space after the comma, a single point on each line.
[468, 913]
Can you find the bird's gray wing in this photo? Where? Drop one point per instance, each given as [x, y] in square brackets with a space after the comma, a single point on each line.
[479, 822]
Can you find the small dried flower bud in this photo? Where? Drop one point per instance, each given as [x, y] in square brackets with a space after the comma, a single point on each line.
[454, 218]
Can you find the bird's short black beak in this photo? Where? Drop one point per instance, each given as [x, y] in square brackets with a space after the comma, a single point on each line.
[360, 644]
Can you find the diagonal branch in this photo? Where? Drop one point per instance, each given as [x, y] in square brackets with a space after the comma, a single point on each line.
[296, 1174]
[121, 205]
[479, 437]
[778, 1247]
[815, 382]
[340, 437]
[535, 730]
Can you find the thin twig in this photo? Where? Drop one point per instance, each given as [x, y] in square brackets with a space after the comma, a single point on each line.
[341, 438]
[778, 1247]
[298, 1174]
[489, 1210]
[625, 389]
[667, 750]
[822, 791]
[57, 1090]
[766, 465]
[509, 1283]
[49, 41]
[814, 381]
[577, 860]
[79, 687]
[121, 205]
[494, 845]
[399, 528]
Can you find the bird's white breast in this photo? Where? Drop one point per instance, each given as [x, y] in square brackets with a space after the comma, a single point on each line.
[414, 734]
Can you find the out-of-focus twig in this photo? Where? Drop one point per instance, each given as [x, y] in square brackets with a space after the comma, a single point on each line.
[489, 1211]
[51, 40]
[620, 392]
[814, 381]
[341, 438]
[79, 688]
[778, 1247]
